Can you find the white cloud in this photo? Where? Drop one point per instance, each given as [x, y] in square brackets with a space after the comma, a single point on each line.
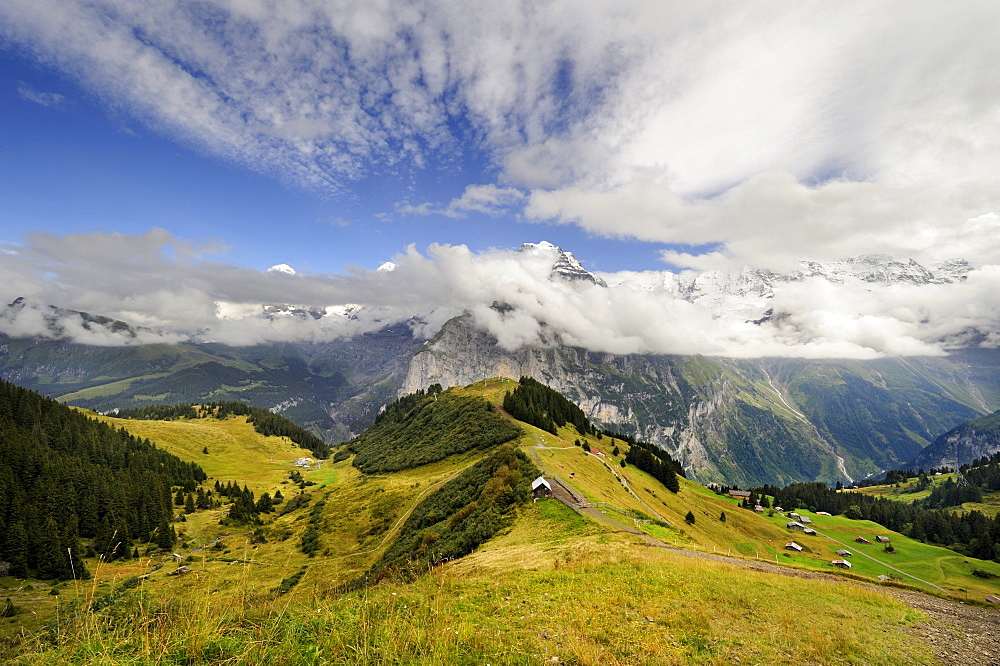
[485, 199]
[758, 133]
[182, 293]
[39, 97]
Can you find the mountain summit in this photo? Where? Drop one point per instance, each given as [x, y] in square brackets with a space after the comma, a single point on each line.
[565, 266]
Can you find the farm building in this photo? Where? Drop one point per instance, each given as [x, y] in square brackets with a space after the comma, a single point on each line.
[845, 553]
[805, 520]
[758, 508]
[791, 545]
[843, 564]
[794, 515]
[739, 494]
[822, 513]
[795, 525]
[810, 531]
[862, 540]
[882, 539]
[541, 488]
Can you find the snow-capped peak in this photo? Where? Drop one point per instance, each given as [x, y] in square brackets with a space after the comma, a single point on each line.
[566, 266]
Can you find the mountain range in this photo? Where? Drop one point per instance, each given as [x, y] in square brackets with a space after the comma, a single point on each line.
[737, 421]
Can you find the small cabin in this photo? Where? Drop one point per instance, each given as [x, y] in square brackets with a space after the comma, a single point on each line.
[845, 553]
[758, 508]
[540, 488]
[791, 545]
[795, 525]
[882, 539]
[805, 520]
[810, 531]
[779, 509]
[740, 494]
[843, 564]
[862, 540]
[794, 515]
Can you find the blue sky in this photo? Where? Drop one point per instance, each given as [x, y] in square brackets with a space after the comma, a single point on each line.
[204, 142]
[73, 165]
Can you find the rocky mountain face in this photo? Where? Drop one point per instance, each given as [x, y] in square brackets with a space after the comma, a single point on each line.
[746, 421]
[969, 441]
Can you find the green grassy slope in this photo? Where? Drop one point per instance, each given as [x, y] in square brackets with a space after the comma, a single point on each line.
[585, 588]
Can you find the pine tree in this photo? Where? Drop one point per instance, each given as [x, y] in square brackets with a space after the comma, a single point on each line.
[689, 518]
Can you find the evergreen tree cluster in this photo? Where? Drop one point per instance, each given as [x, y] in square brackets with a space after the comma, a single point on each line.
[245, 510]
[463, 514]
[972, 534]
[665, 457]
[422, 428]
[66, 477]
[265, 422]
[664, 471]
[535, 403]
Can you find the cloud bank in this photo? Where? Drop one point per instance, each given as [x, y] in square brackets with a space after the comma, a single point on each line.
[172, 288]
[770, 131]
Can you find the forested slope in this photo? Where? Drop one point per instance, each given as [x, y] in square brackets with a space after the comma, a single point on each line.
[64, 476]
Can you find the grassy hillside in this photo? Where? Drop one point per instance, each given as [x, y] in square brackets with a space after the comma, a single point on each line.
[598, 585]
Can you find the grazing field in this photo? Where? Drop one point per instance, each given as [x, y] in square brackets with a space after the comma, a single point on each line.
[601, 584]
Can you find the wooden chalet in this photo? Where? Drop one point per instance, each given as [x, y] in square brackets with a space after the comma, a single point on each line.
[882, 539]
[843, 564]
[791, 545]
[845, 553]
[795, 525]
[860, 539]
[540, 488]
[740, 494]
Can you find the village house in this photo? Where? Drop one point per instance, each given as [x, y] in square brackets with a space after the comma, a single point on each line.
[843, 564]
[758, 508]
[740, 494]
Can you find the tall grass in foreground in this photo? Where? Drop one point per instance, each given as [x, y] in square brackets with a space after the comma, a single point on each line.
[643, 607]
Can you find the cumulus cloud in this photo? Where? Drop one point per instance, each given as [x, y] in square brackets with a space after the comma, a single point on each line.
[175, 289]
[774, 131]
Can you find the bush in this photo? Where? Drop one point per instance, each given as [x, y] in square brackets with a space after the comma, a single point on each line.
[689, 518]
